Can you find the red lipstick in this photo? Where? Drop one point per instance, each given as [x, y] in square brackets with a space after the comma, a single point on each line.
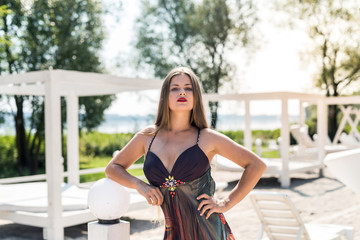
[182, 99]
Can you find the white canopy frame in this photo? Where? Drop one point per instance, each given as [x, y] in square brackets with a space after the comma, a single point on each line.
[347, 112]
[53, 84]
[285, 168]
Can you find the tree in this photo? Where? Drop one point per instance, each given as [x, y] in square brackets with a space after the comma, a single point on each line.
[195, 34]
[333, 27]
[60, 34]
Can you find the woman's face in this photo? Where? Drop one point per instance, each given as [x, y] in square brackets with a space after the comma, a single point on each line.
[181, 93]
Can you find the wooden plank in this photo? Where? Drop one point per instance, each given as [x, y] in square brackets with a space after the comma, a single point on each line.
[71, 218]
[281, 222]
[272, 205]
[26, 218]
[277, 213]
[284, 230]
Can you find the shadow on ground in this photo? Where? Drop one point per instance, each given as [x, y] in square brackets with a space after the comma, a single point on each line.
[22, 232]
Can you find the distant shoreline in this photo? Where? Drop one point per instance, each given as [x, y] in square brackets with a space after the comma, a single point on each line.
[132, 123]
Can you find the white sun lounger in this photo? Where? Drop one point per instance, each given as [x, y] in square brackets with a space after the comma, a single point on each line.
[345, 166]
[280, 220]
[274, 165]
[26, 203]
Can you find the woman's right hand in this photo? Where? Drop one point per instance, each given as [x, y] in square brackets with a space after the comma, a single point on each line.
[152, 194]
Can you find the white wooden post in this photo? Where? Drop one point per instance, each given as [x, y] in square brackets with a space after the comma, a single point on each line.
[285, 144]
[247, 130]
[54, 164]
[117, 231]
[322, 130]
[72, 111]
[301, 113]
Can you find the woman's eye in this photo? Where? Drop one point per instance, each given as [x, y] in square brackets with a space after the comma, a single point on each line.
[188, 89]
[174, 89]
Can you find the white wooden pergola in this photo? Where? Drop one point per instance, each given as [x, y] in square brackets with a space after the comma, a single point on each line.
[284, 168]
[53, 84]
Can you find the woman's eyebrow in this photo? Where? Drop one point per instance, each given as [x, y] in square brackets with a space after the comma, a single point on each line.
[175, 84]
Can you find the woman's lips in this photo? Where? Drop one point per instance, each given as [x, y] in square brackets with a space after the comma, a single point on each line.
[182, 100]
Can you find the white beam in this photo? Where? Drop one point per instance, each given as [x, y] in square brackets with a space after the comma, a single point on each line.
[31, 90]
[247, 130]
[23, 78]
[322, 114]
[54, 164]
[285, 143]
[301, 113]
[306, 97]
[72, 120]
[342, 100]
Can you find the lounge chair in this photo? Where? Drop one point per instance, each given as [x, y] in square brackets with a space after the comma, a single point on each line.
[280, 220]
[345, 166]
[308, 148]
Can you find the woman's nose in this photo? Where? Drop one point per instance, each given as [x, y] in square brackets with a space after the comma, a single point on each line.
[182, 91]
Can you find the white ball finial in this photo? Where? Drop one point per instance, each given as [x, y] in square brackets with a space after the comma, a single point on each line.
[108, 200]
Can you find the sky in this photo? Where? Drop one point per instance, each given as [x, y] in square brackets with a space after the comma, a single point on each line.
[274, 67]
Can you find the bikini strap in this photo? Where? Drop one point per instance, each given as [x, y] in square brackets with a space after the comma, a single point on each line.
[197, 140]
[152, 141]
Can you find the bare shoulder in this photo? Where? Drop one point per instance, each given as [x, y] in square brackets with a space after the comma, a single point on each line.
[211, 138]
[145, 135]
[148, 130]
[212, 135]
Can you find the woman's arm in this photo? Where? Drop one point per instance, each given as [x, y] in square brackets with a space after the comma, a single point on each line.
[253, 165]
[116, 169]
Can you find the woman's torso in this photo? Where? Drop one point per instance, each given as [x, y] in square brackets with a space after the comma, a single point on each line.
[189, 165]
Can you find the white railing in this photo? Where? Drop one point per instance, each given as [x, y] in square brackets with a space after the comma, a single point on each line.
[41, 177]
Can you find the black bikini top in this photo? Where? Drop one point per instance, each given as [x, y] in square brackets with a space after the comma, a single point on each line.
[190, 165]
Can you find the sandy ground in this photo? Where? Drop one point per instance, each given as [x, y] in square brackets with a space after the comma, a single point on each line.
[318, 199]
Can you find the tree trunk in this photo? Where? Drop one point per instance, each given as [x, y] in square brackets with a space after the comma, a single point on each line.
[21, 141]
[332, 120]
[213, 109]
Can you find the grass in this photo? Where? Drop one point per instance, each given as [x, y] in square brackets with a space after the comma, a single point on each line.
[96, 162]
[270, 153]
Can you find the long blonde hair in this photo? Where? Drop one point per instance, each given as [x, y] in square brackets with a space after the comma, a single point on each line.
[197, 117]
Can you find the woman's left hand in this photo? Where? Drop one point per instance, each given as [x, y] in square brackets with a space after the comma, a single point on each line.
[211, 204]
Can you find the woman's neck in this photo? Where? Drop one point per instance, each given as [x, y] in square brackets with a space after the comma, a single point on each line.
[179, 121]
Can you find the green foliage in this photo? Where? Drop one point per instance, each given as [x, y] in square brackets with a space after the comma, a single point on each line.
[7, 156]
[61, 34]
[195, 34]
[332, 25]
[102, 144]
[237, 136]
[94, 108]
[266, 135]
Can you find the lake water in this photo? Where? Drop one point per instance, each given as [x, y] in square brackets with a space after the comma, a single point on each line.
[117, 123]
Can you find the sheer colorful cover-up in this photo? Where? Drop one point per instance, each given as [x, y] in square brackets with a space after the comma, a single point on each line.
[189, 178]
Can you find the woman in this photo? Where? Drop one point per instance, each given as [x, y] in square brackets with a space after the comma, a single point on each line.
[178, 151]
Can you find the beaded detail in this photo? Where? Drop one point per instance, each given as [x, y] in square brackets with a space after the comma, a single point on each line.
[171, 184]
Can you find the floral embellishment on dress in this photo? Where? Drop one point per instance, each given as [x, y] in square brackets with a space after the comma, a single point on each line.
[171, 184]
[222, 218]
[231, 235]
